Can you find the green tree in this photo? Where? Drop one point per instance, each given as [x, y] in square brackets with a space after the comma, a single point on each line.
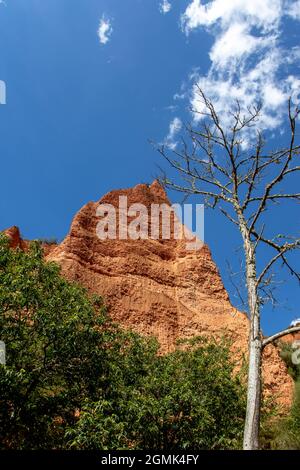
[190, 399]
[61, 349]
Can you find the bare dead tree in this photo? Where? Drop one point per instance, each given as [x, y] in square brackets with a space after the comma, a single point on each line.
[242, 182]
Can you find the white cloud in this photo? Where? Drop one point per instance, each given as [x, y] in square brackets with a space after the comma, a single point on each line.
[294, 87]
[273, 97]
[265, 14]
[234, 43]
[248, 61]
[105, 30]
[174, 128]
[295, 322]
[165, 6]
[294, 10]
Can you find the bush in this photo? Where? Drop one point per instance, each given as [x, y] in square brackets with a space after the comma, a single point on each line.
[285, 432]
[188, 399]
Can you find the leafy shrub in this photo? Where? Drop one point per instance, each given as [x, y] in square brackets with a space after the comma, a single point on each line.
[286, 432]
[189, 400]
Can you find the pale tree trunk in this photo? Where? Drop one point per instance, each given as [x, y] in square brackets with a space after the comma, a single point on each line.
[252, 422]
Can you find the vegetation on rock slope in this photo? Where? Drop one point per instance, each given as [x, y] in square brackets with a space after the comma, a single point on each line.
[74, 379]
[286, 432]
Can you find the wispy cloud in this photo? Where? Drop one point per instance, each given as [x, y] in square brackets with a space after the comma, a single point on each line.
[105, 30]
[165, 6]
[248, 60]
[174, 128]
[294, 10]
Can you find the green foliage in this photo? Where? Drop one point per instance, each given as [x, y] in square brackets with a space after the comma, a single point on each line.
[284, 433]
[286, 354]
[189, 400]
[73, 379]
[60, 349]
[48, 241]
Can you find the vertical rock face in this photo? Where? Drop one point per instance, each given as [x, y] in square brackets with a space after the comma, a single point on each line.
[158, 287]
[153, 286]
[14, 236]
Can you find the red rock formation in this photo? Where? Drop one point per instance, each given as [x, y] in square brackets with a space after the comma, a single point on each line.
[158, 287]
[14, 236]
[16, 241]
[292, 337]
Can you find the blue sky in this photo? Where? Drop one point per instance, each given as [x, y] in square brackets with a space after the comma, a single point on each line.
[90, 82]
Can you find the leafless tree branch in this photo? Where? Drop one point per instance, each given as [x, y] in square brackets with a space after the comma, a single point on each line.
[288, 331]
